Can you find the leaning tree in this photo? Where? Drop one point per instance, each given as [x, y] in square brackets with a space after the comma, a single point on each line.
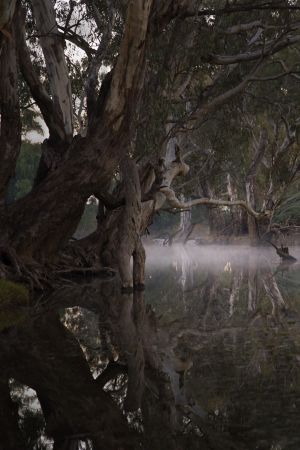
[119, 85]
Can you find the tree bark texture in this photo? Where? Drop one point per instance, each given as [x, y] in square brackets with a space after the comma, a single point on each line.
[40, 224]
[52, 46]
[10, 127]
[124, 242]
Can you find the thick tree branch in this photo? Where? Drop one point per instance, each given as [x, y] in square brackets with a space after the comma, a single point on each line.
[208, 106]
[77, 40]
[128, 74]
[91, 80]
[38, 91]
[277, 76]
[53, 50]
[178, 204]
[210, 101]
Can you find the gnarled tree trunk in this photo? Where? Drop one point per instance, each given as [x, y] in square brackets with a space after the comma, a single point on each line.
[120, 232]
[41, 223]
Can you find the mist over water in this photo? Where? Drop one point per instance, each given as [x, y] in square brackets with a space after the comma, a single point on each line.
[214, 258]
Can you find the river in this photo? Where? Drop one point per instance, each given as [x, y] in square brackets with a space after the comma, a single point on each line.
[235, 311]
[210, 350]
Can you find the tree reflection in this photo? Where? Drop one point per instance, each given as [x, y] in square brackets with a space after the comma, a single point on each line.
[108, 372]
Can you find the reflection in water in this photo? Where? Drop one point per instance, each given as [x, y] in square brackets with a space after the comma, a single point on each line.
[207, 358]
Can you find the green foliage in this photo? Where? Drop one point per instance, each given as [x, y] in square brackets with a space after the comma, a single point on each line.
[165, 222]
[200, 215]
[29, 121]
[289, 209]
[26, 168]
[29, 115]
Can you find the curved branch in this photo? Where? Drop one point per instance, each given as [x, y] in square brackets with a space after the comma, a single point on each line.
[177, 204]
[77, 40]
[271, 49]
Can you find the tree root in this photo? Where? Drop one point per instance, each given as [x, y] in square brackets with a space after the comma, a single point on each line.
[41, 277]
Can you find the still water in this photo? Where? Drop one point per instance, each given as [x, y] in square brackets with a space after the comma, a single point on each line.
[207, 357]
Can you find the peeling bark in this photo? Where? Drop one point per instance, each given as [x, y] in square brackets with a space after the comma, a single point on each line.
[129, 71]
[58, 75]
[122, 228]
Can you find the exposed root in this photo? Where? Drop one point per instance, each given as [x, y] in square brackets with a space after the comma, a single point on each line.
[41, 277]
[86, 272]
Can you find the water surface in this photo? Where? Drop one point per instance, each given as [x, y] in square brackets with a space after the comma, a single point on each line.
[208, 357]
[235, 311]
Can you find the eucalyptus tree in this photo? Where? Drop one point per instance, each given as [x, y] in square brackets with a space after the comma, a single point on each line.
[108, 76]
